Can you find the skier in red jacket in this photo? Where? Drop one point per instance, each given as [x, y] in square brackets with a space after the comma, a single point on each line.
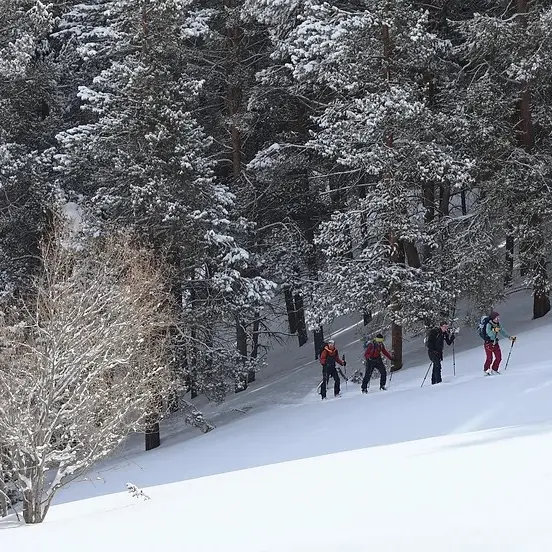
[328, 358]
[374, 361]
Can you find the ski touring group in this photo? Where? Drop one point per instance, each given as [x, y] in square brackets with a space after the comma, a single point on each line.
[489, 330]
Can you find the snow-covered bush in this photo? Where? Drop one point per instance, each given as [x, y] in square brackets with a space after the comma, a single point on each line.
[83, 363]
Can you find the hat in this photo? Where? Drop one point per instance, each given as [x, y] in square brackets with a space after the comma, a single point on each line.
[443, 323]
[378, 338]
[331, 341]
[493, 315]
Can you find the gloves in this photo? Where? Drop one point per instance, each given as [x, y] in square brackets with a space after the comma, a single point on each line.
[452, 337]
[512, 338]
[344, 363]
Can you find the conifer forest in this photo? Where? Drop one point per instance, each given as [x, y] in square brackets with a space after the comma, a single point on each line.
[179, 175]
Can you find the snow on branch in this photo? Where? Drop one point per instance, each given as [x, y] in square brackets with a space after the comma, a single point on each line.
[137, 492]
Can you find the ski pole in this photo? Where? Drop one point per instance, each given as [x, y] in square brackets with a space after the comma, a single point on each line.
[429, 368]
[345, 367]
[453, 360]
[345, 375]
[508, 359]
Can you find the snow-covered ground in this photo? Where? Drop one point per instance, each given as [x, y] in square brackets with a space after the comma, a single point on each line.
[463, 466]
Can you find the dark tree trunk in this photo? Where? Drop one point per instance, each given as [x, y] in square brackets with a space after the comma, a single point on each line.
[176, 340]
[397, 252]
[367, 318]
[535, 261]
[525, 139]
[444, 201]
[302, 334]
[193, 365]
[318, 336]
[153, 436]
[398, 257]
[396, 347]
[524, 260]
[463, 202]
[189, 360]
[290, 308]
[541, 300]
[307, 223]
[412, 255]
[241, 339]
[254, 346]
[509, 276]
[234, 36]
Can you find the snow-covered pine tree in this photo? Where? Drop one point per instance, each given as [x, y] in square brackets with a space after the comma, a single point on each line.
[395, 142]
[507, 55]
[30, 114]
[455, 215]
[284, 175]
[145, 161]
[236, 48]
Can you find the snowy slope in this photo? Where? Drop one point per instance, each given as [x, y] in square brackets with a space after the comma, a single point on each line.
[463, 465]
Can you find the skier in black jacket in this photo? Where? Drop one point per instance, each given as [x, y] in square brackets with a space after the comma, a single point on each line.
[435, 344]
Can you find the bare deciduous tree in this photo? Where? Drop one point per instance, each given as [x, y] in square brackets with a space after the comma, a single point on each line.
[82, 363]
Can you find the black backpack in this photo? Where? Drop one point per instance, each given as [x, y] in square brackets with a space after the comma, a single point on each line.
[426, 338]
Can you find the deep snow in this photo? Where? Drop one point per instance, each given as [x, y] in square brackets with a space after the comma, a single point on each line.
[464, 465]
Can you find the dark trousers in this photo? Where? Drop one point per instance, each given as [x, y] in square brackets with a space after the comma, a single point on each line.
[327, 373]
[435, 358]
[371, 365]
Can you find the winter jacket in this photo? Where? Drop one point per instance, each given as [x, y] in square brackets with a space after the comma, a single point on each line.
[375, 350]
[494, 330]
[436, 341]
[330, 357]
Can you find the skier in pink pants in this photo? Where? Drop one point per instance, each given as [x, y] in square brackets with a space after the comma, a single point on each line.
[492, 348]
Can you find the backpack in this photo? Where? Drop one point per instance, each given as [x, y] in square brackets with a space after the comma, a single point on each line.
[426, 338]
[482, 328]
